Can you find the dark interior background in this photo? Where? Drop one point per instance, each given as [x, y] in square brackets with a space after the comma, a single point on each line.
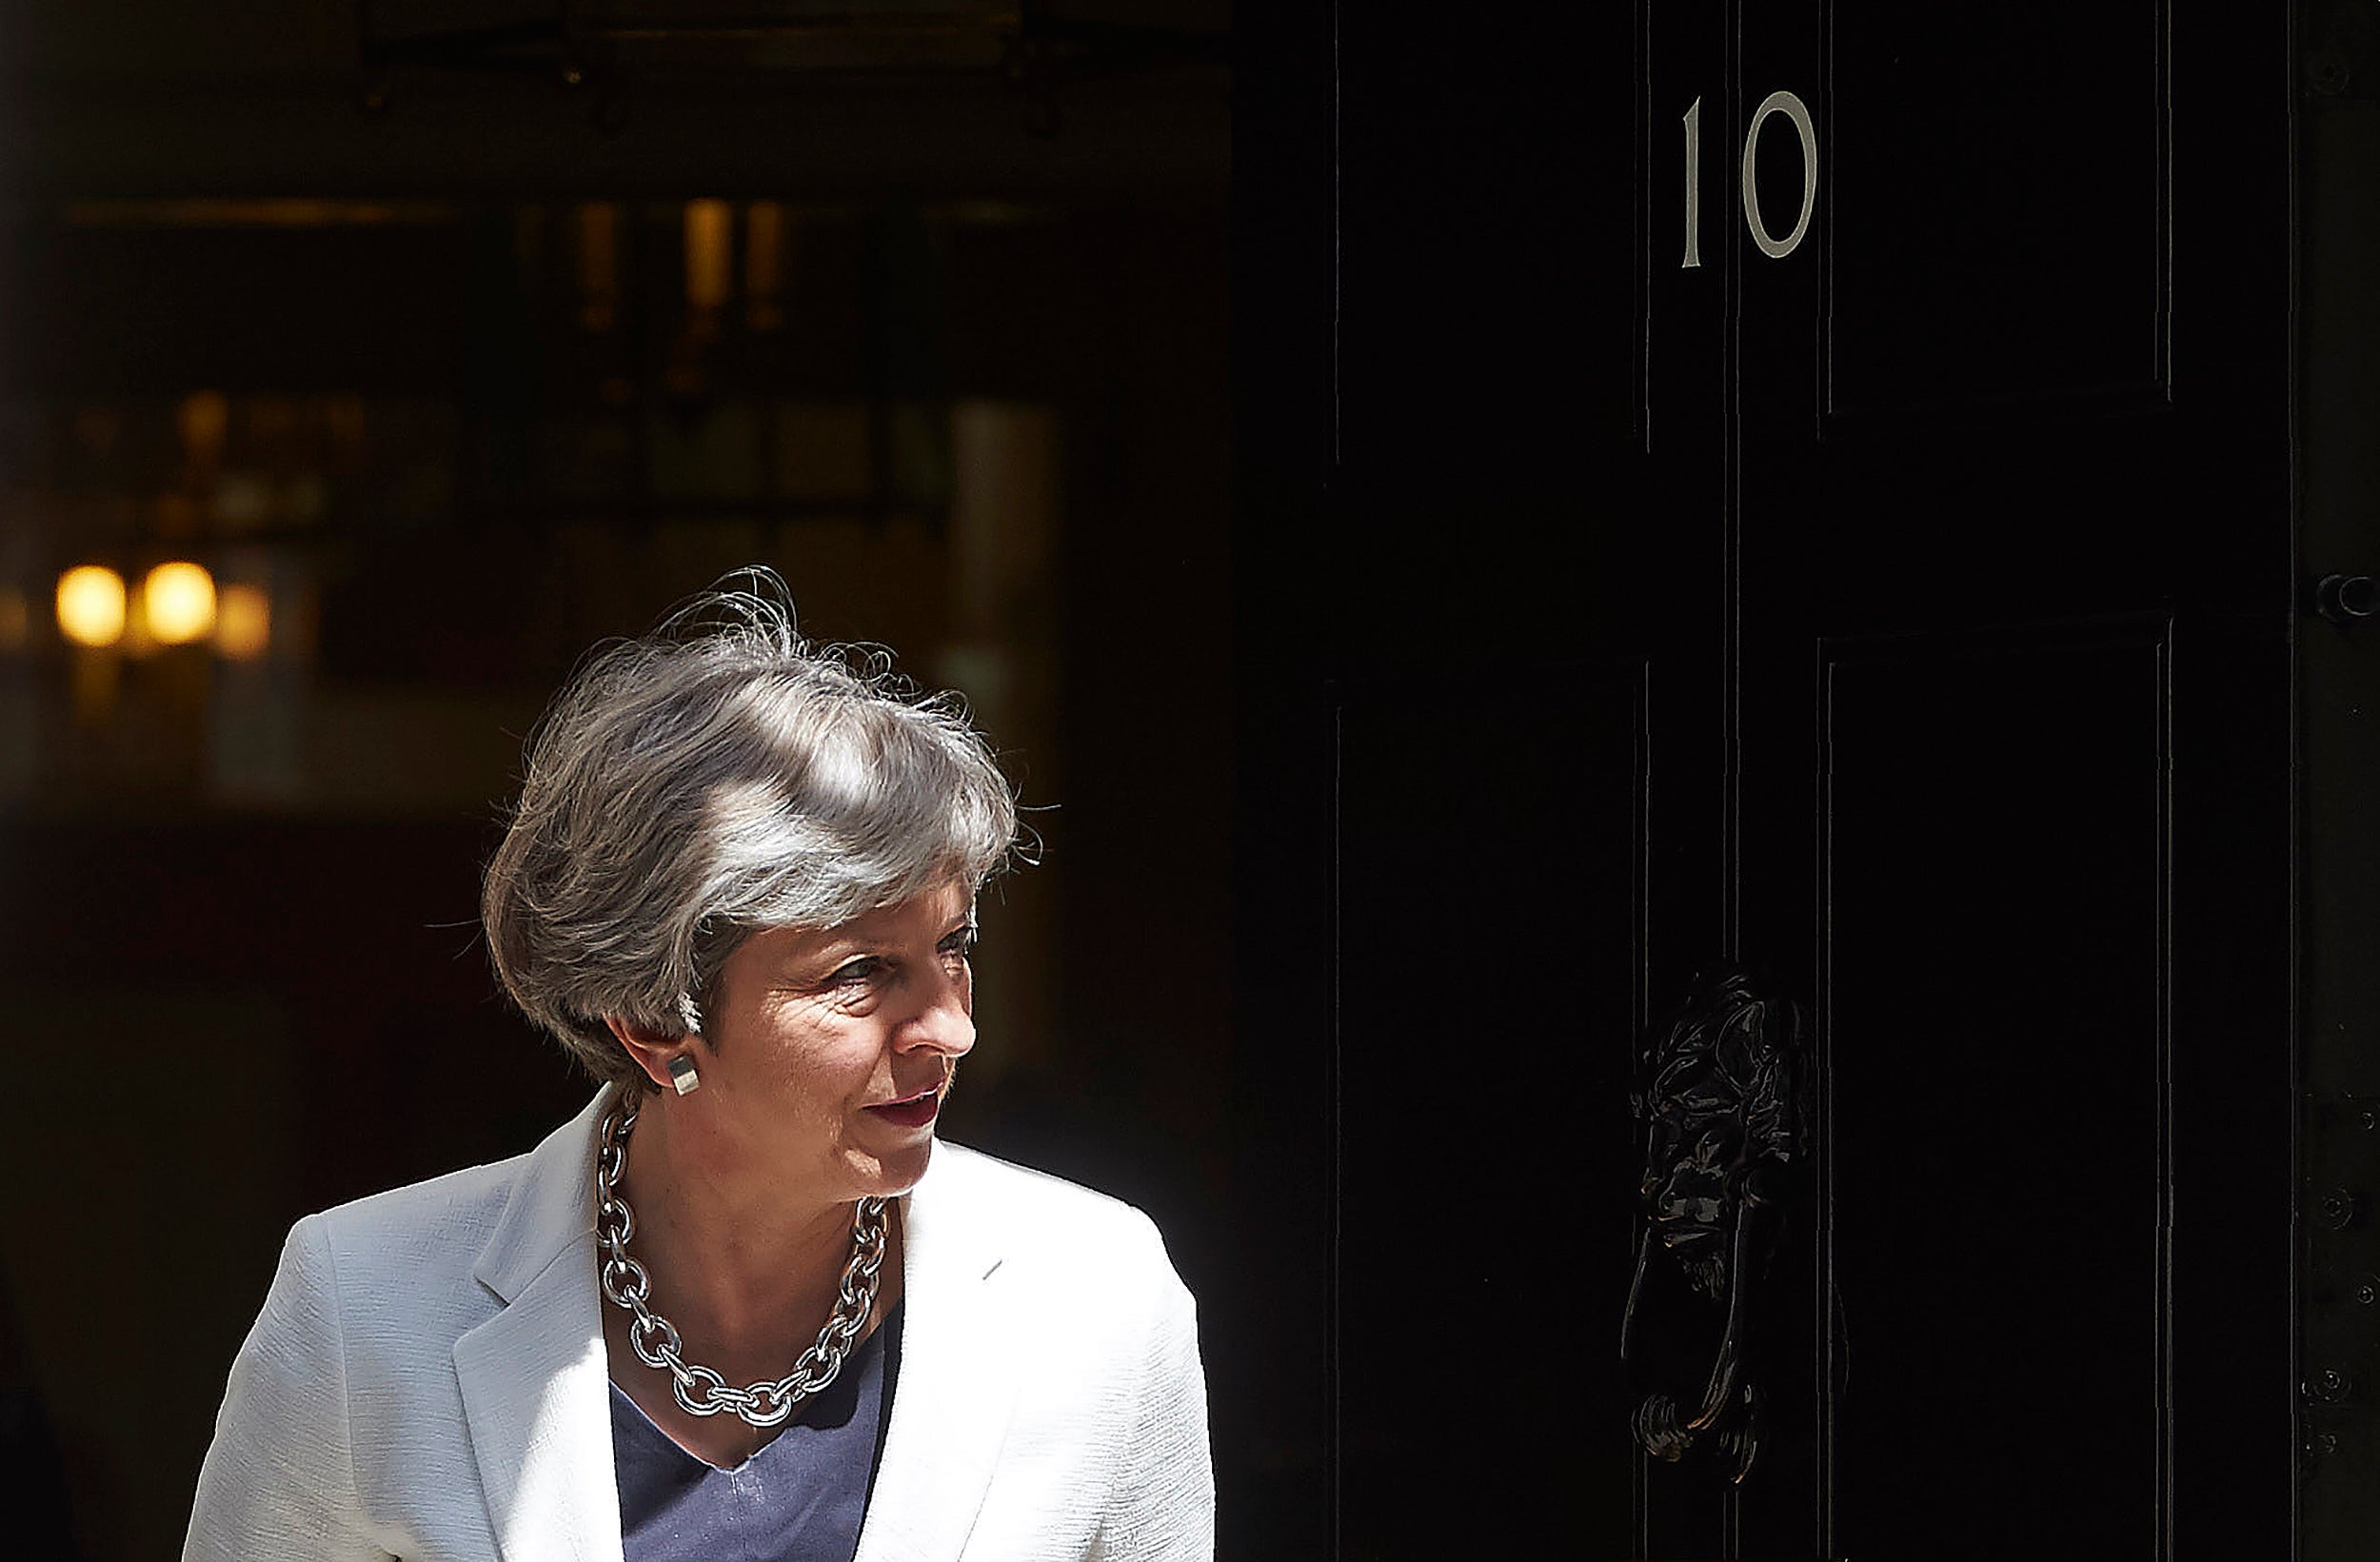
[447, 353]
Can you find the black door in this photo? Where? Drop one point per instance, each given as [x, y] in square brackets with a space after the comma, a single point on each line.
[1776, 654]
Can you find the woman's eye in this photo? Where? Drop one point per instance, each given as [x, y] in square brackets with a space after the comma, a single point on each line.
[855, 974]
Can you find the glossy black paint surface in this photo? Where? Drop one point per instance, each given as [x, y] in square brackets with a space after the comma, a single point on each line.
[1951, 557]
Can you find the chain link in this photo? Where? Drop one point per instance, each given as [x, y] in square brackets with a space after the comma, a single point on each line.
[700, 1391]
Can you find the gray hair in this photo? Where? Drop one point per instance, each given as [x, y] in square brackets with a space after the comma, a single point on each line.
[714, 778]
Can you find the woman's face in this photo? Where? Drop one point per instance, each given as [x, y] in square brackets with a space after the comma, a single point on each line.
[827, 1053]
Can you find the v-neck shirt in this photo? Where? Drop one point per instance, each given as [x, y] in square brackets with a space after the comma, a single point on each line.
[799, 1498]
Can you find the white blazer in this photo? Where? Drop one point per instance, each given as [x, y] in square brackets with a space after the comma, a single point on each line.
[427, 1380]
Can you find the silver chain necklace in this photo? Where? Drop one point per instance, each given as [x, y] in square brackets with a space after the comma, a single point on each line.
[700, 1391]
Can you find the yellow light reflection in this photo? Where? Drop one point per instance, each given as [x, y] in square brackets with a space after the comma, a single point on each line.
[764, 265]
[709, 253]
[178, 602]
[599, 262]
[91, 605]
[202, 419]
[244, 623]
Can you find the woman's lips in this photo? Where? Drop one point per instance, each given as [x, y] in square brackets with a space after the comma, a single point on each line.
[914, 1113]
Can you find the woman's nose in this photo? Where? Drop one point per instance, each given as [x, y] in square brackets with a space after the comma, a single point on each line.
[945, 1023]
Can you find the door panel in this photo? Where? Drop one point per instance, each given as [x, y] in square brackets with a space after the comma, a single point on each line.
[1482, 280]
[1997, 1062]
[1491, 895]
[1997, 194]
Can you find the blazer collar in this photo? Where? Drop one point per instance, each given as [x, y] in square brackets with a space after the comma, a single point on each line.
[536, 1385]
[959, 1370]
[550, 1207]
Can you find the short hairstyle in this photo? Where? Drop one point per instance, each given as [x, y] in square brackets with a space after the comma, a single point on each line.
[718, 777]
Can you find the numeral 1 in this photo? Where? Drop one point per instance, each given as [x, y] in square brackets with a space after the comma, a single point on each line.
[1694, 185]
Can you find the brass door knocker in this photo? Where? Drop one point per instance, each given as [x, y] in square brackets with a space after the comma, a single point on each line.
[1719, 1105]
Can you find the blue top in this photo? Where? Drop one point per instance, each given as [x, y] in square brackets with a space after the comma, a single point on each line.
[800, 1499]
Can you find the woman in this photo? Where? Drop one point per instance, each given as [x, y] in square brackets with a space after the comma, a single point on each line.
[744, 1304]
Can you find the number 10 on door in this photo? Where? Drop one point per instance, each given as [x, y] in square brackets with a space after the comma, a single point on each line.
[1775, 249]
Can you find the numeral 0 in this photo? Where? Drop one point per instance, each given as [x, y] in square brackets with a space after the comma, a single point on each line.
[1775, 249]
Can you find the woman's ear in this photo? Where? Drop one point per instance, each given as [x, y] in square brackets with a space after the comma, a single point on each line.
[653, 1049]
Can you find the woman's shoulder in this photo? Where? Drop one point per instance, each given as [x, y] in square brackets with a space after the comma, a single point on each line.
[438, 1237]
[960, 1171]
[435, 1217]
[1034, 1211]
[397, 1266]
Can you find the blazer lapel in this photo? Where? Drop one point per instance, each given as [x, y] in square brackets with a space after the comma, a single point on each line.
[536, 1390]
[535, 1382]
[958, 1375]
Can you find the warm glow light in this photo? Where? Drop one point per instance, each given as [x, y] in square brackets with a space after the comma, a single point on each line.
[763, 264]
[599, 262]
[91, 604]
[202, 419]
[243, 622]
[178, 602]
[709, 253]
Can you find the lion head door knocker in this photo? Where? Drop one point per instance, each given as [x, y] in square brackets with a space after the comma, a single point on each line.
[1718, 1102]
